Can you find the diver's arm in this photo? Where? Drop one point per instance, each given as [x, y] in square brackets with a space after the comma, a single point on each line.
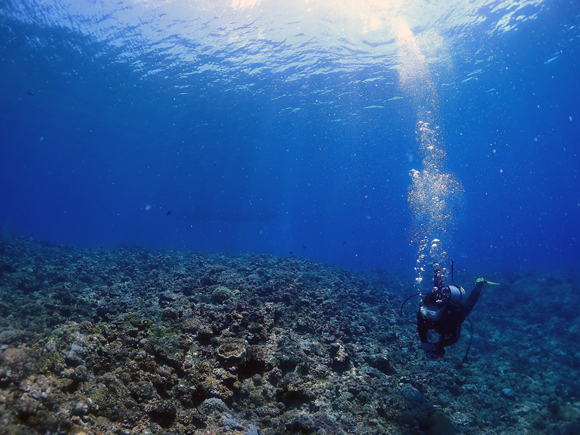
[437, 280]
[422, 328]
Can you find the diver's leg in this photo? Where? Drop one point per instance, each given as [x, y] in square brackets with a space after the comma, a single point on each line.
[473, 298]
[450, 338]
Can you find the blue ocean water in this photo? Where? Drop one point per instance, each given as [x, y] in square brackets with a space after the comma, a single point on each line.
[292, 129]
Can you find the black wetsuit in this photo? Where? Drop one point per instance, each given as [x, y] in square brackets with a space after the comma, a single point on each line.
[449, 323]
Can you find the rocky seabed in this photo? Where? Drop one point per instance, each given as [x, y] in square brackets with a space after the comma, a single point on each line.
[138, 341]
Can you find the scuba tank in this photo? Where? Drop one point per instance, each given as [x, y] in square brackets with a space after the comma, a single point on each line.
[455, 293]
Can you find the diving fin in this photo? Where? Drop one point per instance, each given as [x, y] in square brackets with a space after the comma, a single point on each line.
[486, 283]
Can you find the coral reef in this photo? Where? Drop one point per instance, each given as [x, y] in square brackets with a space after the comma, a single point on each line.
[137, 341]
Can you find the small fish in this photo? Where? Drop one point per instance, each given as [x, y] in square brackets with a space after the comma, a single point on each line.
[30, 93]
[168, 213]
[304, 247]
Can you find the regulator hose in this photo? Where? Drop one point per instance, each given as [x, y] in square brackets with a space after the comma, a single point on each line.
[403, 304]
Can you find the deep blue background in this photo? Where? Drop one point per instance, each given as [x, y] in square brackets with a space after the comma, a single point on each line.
[93, 154]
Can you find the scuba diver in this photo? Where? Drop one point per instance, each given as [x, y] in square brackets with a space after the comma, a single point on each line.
[443, 310]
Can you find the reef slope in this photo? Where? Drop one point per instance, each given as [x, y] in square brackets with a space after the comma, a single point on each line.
[138, 341]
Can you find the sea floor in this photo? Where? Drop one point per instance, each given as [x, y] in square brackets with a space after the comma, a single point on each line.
[138, 341]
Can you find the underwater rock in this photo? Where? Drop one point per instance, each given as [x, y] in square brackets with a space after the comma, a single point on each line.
[221, 294]
[380, 363]
[81, 408]
[340, 358]
[437, 423]
[16, 365]
[302, 423]
[411, 394]
[232, 352]
[161, 412]
[213, 405]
